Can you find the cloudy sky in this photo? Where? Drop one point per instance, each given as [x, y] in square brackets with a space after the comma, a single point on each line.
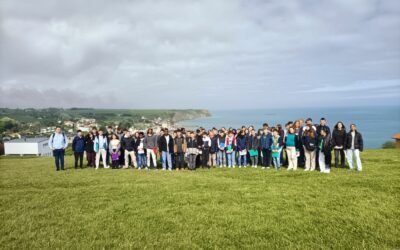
[199, 54]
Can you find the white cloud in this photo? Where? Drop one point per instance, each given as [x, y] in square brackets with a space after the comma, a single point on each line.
[173, 53]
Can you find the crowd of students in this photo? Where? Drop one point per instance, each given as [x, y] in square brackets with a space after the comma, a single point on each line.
[298, 144]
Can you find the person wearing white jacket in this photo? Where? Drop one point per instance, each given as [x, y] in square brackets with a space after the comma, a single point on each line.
[100, 147]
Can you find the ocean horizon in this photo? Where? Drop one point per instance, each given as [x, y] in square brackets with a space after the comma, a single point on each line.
[377, 124]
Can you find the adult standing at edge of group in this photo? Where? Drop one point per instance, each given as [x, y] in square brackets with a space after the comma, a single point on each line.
[338, 141]
[58, 142]
[354, 145]
[166, 147]
[78, 147]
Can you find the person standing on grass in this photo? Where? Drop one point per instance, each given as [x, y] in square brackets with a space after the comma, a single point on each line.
[150, 143]
[58, 142]
[205, 151]
[324, 148]
[338, 141]
[108, 134]
[253, 144]
[292, 144]
[100, 147]
[322, 126]
[89, 148]
[114, 150]
[309, 146]
[265, 145]
[129, 146]
[221, 155]
[141, 152]
[213, 148]
[179, 150]
[191, 150]
[230, 145]
[78, 147]
[166, 146]
[276, 149]
[354, 145]
[241, 143]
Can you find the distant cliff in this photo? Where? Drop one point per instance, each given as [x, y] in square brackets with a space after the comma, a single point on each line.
[189, 114]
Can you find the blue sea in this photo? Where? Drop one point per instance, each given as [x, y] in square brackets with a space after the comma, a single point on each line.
[377, 124]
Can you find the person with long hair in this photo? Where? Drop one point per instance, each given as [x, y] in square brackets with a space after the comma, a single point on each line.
[309, 145]
[354, 145]
[338, 141]
[292, 145]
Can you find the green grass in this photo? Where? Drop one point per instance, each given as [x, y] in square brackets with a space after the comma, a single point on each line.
[221, 208]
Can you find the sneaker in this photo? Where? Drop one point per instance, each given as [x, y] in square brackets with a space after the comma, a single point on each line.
[146, 168]
[139, 169]
[263, 168]
[305, 170]
[107, 167]
[170, 169]
[163, 169]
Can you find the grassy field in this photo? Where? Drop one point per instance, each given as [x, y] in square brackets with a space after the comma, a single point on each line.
[221, 208]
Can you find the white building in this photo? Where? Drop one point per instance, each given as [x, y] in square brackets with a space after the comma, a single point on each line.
[28, 146]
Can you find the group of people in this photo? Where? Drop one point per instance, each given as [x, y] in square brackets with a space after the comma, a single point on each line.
[298, 144]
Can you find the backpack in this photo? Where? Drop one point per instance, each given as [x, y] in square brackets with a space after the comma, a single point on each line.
[310, 144]
[54, 134]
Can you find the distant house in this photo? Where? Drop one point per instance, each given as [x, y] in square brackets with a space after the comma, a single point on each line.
[397, 138]
[28, 146]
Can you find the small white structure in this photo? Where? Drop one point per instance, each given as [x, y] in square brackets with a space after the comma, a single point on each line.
[28, 146]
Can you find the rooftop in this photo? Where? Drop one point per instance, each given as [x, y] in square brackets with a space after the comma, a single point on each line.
[28, 140]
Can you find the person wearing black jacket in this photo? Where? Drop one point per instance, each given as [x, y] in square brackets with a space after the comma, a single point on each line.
[354, 144]
[324, 149]
[89, 148]
[199, 141]
[338, 141]
[322, 126]
[166, 147]
[129, 145]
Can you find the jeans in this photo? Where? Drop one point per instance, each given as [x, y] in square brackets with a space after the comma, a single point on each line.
[240, 157]
[166, 157]
[179, 162]
[192, 161]
[339, 152]
[221, 158]
[141, 160]
[356, 153]
[78, 156]
[230, 158]
[59, 158]
[277, 162]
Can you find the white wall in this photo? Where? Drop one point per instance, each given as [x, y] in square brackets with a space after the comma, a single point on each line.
[26, 148]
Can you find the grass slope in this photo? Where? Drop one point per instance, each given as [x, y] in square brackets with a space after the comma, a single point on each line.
[221, 208]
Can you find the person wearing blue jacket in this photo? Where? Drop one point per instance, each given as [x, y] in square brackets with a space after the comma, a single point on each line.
[265, 145]
[241, 146]
[78, 147]
[58, 142]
